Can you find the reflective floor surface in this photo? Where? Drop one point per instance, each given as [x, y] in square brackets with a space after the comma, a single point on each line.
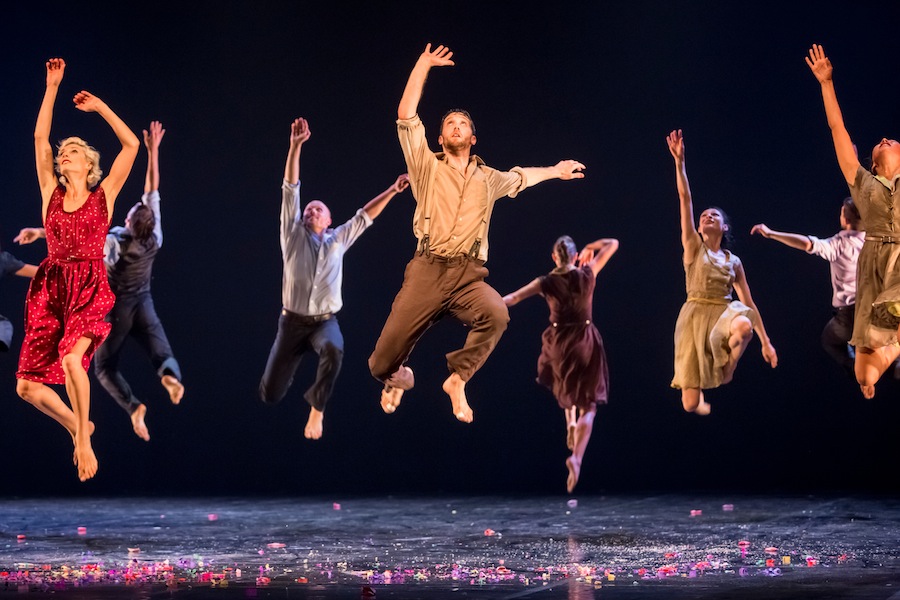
[665, 546]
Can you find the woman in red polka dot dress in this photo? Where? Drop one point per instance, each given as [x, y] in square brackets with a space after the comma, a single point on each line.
[70, 296]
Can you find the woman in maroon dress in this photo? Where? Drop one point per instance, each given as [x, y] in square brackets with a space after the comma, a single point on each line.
[572, 362]
[69, 295]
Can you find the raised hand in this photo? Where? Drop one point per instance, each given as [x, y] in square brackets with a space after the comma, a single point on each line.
[769, 355]
[299, 131]
[87, 102]
[819, 63]
[28, 235]
[439, 57]
[761, 229]
[154, 136]
[570, 169]
[401, 184]
[55, 69]
[585, 257]
[675, 140]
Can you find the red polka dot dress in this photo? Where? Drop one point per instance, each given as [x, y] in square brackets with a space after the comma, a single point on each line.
[69, 296]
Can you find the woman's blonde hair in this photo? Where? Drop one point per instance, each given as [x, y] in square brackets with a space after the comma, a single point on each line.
[90, 153]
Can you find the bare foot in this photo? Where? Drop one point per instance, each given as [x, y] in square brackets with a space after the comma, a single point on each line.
[574, 467]
[703, 408]
[390, 398]
[570, 437]
[137, 422]
[455, 387]
[868, 391]
[85, 460]
[174, 387]
[313, 429]
[90, 433]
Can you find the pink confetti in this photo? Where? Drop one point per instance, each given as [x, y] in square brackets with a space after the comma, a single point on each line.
[771, 550]
[696, 513]
[20, 537]
[489, 532]
[573, 503]
[82, 531]
[275, 545]
[212, 517]
[743, 543]
[336, 506]
[728, 507]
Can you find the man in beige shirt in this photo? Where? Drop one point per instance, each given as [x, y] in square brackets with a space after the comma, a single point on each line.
[455, 193]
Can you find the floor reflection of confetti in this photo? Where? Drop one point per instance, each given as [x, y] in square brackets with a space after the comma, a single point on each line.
[484, 547]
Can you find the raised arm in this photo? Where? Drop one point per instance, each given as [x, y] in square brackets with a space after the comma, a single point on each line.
[520, 294]
[597, 254]
[412, 93]
[564, 169]
[29, 235]
[152, 140]
[689, 236]
[374, 206]
[43, 151]
[299, 134]
[121, 166]
[843, 146]
[743, 291]
[794, 240]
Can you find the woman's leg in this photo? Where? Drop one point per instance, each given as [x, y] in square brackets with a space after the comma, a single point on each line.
[692, 400]
[78, 387]
[741, 334]
[871, 364]
[571, 415]
[583, 428]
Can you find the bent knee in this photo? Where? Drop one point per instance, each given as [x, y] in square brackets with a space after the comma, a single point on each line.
[71, 363]
[26, 389]
[690, 400]
[332, 352]
[742, 327]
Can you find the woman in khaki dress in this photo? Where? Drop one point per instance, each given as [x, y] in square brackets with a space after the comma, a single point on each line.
[713, 329]
[876, 327]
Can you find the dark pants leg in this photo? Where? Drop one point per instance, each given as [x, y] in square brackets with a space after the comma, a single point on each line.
[836, 337]
[431, 289]
[292, 341]
[106, 359]
[148, 331]
[6, 334]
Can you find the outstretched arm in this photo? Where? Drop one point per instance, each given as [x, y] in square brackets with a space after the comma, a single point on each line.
[152, 140]
[597, 254]
[43, 151]
[299, 134]
[121, 166]
[520, 294]
[374, 206]
[843, 147]
[689, 236]
[564, 169]
[743, 292]
[794, 240]
[29, 235]
[412, 93]
[27, 271]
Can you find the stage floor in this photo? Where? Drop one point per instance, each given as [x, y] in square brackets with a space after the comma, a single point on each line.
[665, 546]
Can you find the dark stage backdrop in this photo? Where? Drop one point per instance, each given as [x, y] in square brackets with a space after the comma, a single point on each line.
[599, 82]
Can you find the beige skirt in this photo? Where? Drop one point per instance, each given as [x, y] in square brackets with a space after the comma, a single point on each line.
[701, 342]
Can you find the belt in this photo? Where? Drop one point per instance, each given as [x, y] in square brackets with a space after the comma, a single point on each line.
[883, 239]
[450, 261]
[575, 324]
[306, 319]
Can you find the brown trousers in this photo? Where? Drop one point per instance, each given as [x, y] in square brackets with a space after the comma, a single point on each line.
[435, 287]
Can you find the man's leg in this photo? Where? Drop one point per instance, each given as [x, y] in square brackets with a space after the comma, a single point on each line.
[416, 307]
[106, 366]
[150, 335]
[328, 343]
[480, 306]
[836, 337]
[284, 358]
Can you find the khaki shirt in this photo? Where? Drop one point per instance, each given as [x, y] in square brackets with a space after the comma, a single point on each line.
[452, 207]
